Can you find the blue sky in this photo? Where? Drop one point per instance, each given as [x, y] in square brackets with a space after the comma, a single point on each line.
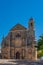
[20, 11]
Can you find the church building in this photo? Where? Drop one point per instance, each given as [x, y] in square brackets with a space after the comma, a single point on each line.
[20, 43]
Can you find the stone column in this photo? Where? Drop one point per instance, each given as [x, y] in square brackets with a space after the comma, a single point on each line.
[35, 53]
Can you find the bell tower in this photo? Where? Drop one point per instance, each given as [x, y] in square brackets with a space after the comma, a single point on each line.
[32, 38]
[31, 27]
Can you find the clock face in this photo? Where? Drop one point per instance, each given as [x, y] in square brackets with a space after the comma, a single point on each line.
[18, 42]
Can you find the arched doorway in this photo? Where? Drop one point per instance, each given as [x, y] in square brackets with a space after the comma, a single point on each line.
[17, 55]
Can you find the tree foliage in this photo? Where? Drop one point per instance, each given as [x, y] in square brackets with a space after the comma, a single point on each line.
[40, 46]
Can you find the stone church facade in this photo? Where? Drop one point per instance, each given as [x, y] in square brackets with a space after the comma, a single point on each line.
[20, 43]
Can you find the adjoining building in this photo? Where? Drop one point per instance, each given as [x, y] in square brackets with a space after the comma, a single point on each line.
[0, 54]
[20, 43]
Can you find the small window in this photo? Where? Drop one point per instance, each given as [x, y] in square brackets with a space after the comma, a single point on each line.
[31, 24]
[18, 35]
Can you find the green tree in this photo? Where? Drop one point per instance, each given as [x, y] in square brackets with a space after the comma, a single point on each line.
[40, 47]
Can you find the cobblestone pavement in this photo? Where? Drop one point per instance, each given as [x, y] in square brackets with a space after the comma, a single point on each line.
[20, 62]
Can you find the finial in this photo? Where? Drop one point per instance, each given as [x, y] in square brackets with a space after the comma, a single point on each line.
[31, 18]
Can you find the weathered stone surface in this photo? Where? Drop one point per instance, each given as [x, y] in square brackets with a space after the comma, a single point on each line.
[19, 43]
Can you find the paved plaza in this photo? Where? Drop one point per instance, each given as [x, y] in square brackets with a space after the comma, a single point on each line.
[20, 62]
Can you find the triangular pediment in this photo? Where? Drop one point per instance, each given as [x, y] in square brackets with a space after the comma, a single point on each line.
[18, 27]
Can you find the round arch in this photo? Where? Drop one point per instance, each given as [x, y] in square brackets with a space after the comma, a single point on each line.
[17, 55]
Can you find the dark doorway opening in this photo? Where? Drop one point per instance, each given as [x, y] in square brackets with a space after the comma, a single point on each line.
[17, 55]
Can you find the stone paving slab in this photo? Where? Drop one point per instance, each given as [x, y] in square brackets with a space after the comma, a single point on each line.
[19, 62]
